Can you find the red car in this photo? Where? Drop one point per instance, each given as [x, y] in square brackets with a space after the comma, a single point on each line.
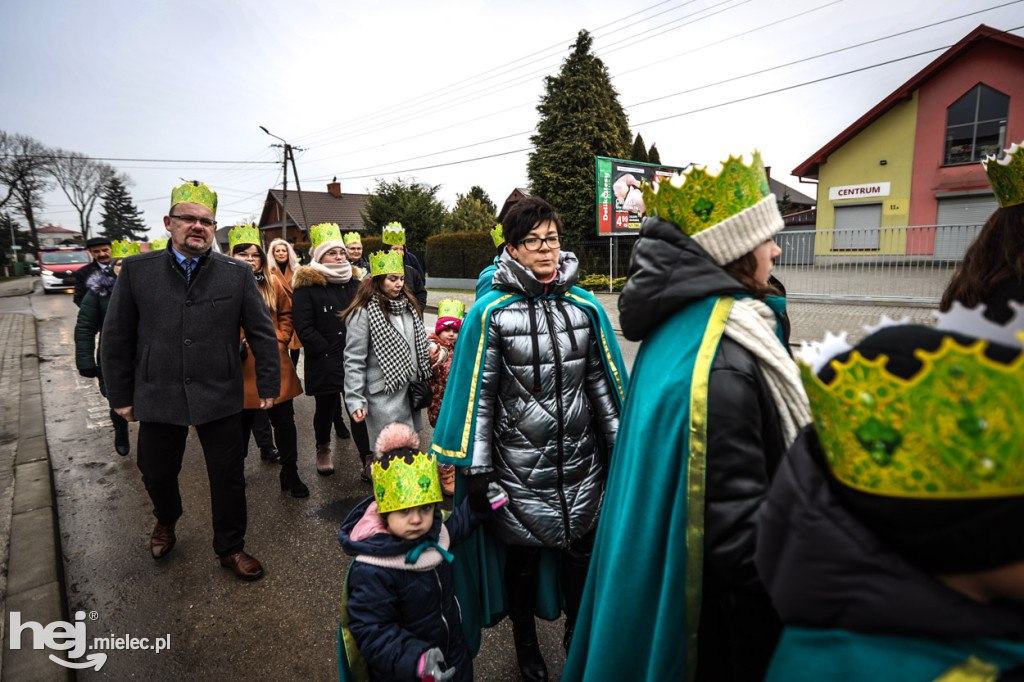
[58, 266]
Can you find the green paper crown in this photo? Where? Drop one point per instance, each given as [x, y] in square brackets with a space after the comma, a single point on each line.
[195, 193]
[953, 431]
[324, 232]
[386, 263]
[158, 244]
[705, 200]
[1006, 175]
[120, 249]
[405, 481]
[394, 234]
[449, 307]
[498, 235]
[352, 238]
[243, 234]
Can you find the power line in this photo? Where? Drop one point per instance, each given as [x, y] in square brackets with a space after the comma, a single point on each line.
[108, 158]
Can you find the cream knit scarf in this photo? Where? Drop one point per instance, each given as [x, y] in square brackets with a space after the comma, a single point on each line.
[752, 325]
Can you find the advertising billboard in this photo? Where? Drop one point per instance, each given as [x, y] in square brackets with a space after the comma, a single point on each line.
[620, 203]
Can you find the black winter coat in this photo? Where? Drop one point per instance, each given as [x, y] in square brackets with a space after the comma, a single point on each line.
[91, 311]
[668, 272]
[398, 613]
[316, 316]
[170, 347]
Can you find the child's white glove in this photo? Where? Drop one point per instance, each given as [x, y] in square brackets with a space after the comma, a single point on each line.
[429, 669]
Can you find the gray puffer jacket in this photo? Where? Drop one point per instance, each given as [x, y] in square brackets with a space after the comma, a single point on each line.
[544, 391]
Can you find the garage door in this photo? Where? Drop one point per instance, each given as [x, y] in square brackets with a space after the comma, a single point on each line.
[960, 219]
[857, 227]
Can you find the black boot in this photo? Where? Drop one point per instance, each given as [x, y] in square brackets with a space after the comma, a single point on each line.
[122, 443]
[575, 562]
[521, 586]
[291, 482]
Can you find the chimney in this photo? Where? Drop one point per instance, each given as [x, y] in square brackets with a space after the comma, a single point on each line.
[768, 172]
[334, 189]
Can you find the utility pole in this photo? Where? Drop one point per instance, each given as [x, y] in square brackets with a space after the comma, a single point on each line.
[288, 153]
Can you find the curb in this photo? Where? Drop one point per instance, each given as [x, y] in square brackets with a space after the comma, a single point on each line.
[35, 575]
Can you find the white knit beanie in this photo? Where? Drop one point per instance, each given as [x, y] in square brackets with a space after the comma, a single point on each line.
[740, 234]
[319, 251]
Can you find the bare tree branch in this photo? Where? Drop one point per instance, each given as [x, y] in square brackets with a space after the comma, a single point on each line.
[82, 180]
[24, 176]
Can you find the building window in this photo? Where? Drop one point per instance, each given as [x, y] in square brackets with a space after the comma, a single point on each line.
[976, 125]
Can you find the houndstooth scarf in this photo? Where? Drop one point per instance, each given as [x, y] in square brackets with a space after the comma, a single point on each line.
[392, 350]
[752, 325]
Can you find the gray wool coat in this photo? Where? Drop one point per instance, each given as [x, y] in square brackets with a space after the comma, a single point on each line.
[171, 349]
[364, 378]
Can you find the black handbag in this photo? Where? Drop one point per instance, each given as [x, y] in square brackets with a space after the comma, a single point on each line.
[420, 395]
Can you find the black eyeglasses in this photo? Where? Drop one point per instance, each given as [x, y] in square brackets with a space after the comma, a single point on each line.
[192, 220]
[533, 243]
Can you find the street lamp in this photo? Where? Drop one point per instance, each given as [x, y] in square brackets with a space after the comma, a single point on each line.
[288, 154]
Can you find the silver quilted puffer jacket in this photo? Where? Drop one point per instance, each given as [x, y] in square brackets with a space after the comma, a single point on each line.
[543, 394]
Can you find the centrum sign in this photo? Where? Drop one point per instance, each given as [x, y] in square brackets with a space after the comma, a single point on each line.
[865, 191]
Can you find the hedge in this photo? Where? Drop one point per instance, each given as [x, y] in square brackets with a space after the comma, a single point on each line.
[459, 255]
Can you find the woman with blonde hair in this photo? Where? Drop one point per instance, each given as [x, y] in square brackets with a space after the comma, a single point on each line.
[282, 265]
[244, 245]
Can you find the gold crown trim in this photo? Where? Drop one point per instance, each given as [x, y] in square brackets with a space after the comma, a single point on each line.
[196, 193]
[386, 263]
[1006, 175]
[405, 481]
[393, 234]
[703, 200]
[952, 431]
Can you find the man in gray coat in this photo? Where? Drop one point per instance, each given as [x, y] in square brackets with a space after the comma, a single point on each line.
[170, 356]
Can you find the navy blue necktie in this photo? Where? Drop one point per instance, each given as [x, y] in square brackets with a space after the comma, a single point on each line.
[189, 264]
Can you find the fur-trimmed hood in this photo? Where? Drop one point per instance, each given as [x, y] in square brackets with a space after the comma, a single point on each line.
[100, 283]
[306, 276]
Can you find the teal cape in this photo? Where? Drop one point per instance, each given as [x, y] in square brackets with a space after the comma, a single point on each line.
[641, 605]
[479, 561]
[844, 656]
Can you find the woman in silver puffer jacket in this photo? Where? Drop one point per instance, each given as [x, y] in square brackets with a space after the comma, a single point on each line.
[545, 401]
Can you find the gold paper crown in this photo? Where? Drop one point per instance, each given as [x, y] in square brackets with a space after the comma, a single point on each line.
[498, 235]
[386, 263]
[324, 232]
[243, 234]
[405, 480]
[121, 249]
[195, 193]
[705, 200]
[952, 431]
[393, 234]
[449, 307]
[1006, 175]
[352, 238]
[158, 244]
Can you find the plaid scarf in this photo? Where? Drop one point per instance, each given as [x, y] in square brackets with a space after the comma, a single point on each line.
[392, 350]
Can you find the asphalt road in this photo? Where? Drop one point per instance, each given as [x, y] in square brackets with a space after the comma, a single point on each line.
[281, 627]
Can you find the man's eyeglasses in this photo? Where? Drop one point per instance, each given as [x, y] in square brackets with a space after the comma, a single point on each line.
[533, 243]
[192, 220]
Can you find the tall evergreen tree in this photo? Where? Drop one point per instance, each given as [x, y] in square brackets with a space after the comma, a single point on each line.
[639, 149]
[653, 156]
[580, 118]
[413, 204]
[470, 215]
[121, 219]
[477, 192]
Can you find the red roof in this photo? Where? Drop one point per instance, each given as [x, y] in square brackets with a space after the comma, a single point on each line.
[53, 229]
[809, 168]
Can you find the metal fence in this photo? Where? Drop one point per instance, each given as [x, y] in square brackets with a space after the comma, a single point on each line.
[897, 264]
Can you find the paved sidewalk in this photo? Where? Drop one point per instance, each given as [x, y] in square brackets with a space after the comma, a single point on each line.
[31, 566]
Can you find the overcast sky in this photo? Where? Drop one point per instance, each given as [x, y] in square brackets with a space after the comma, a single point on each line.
[425, 89]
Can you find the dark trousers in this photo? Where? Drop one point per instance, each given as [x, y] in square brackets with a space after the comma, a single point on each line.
[282, 418]
[260, 431]
[160, 452]
[294, 355]
[328, 408]
[522, 565]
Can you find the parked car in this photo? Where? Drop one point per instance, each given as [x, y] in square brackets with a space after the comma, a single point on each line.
[58, 266]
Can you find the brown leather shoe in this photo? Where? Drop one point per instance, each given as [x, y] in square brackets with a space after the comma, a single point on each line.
[162, 540]
[245, 566]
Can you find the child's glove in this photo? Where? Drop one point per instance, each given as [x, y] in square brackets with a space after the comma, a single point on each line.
[429, 668]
